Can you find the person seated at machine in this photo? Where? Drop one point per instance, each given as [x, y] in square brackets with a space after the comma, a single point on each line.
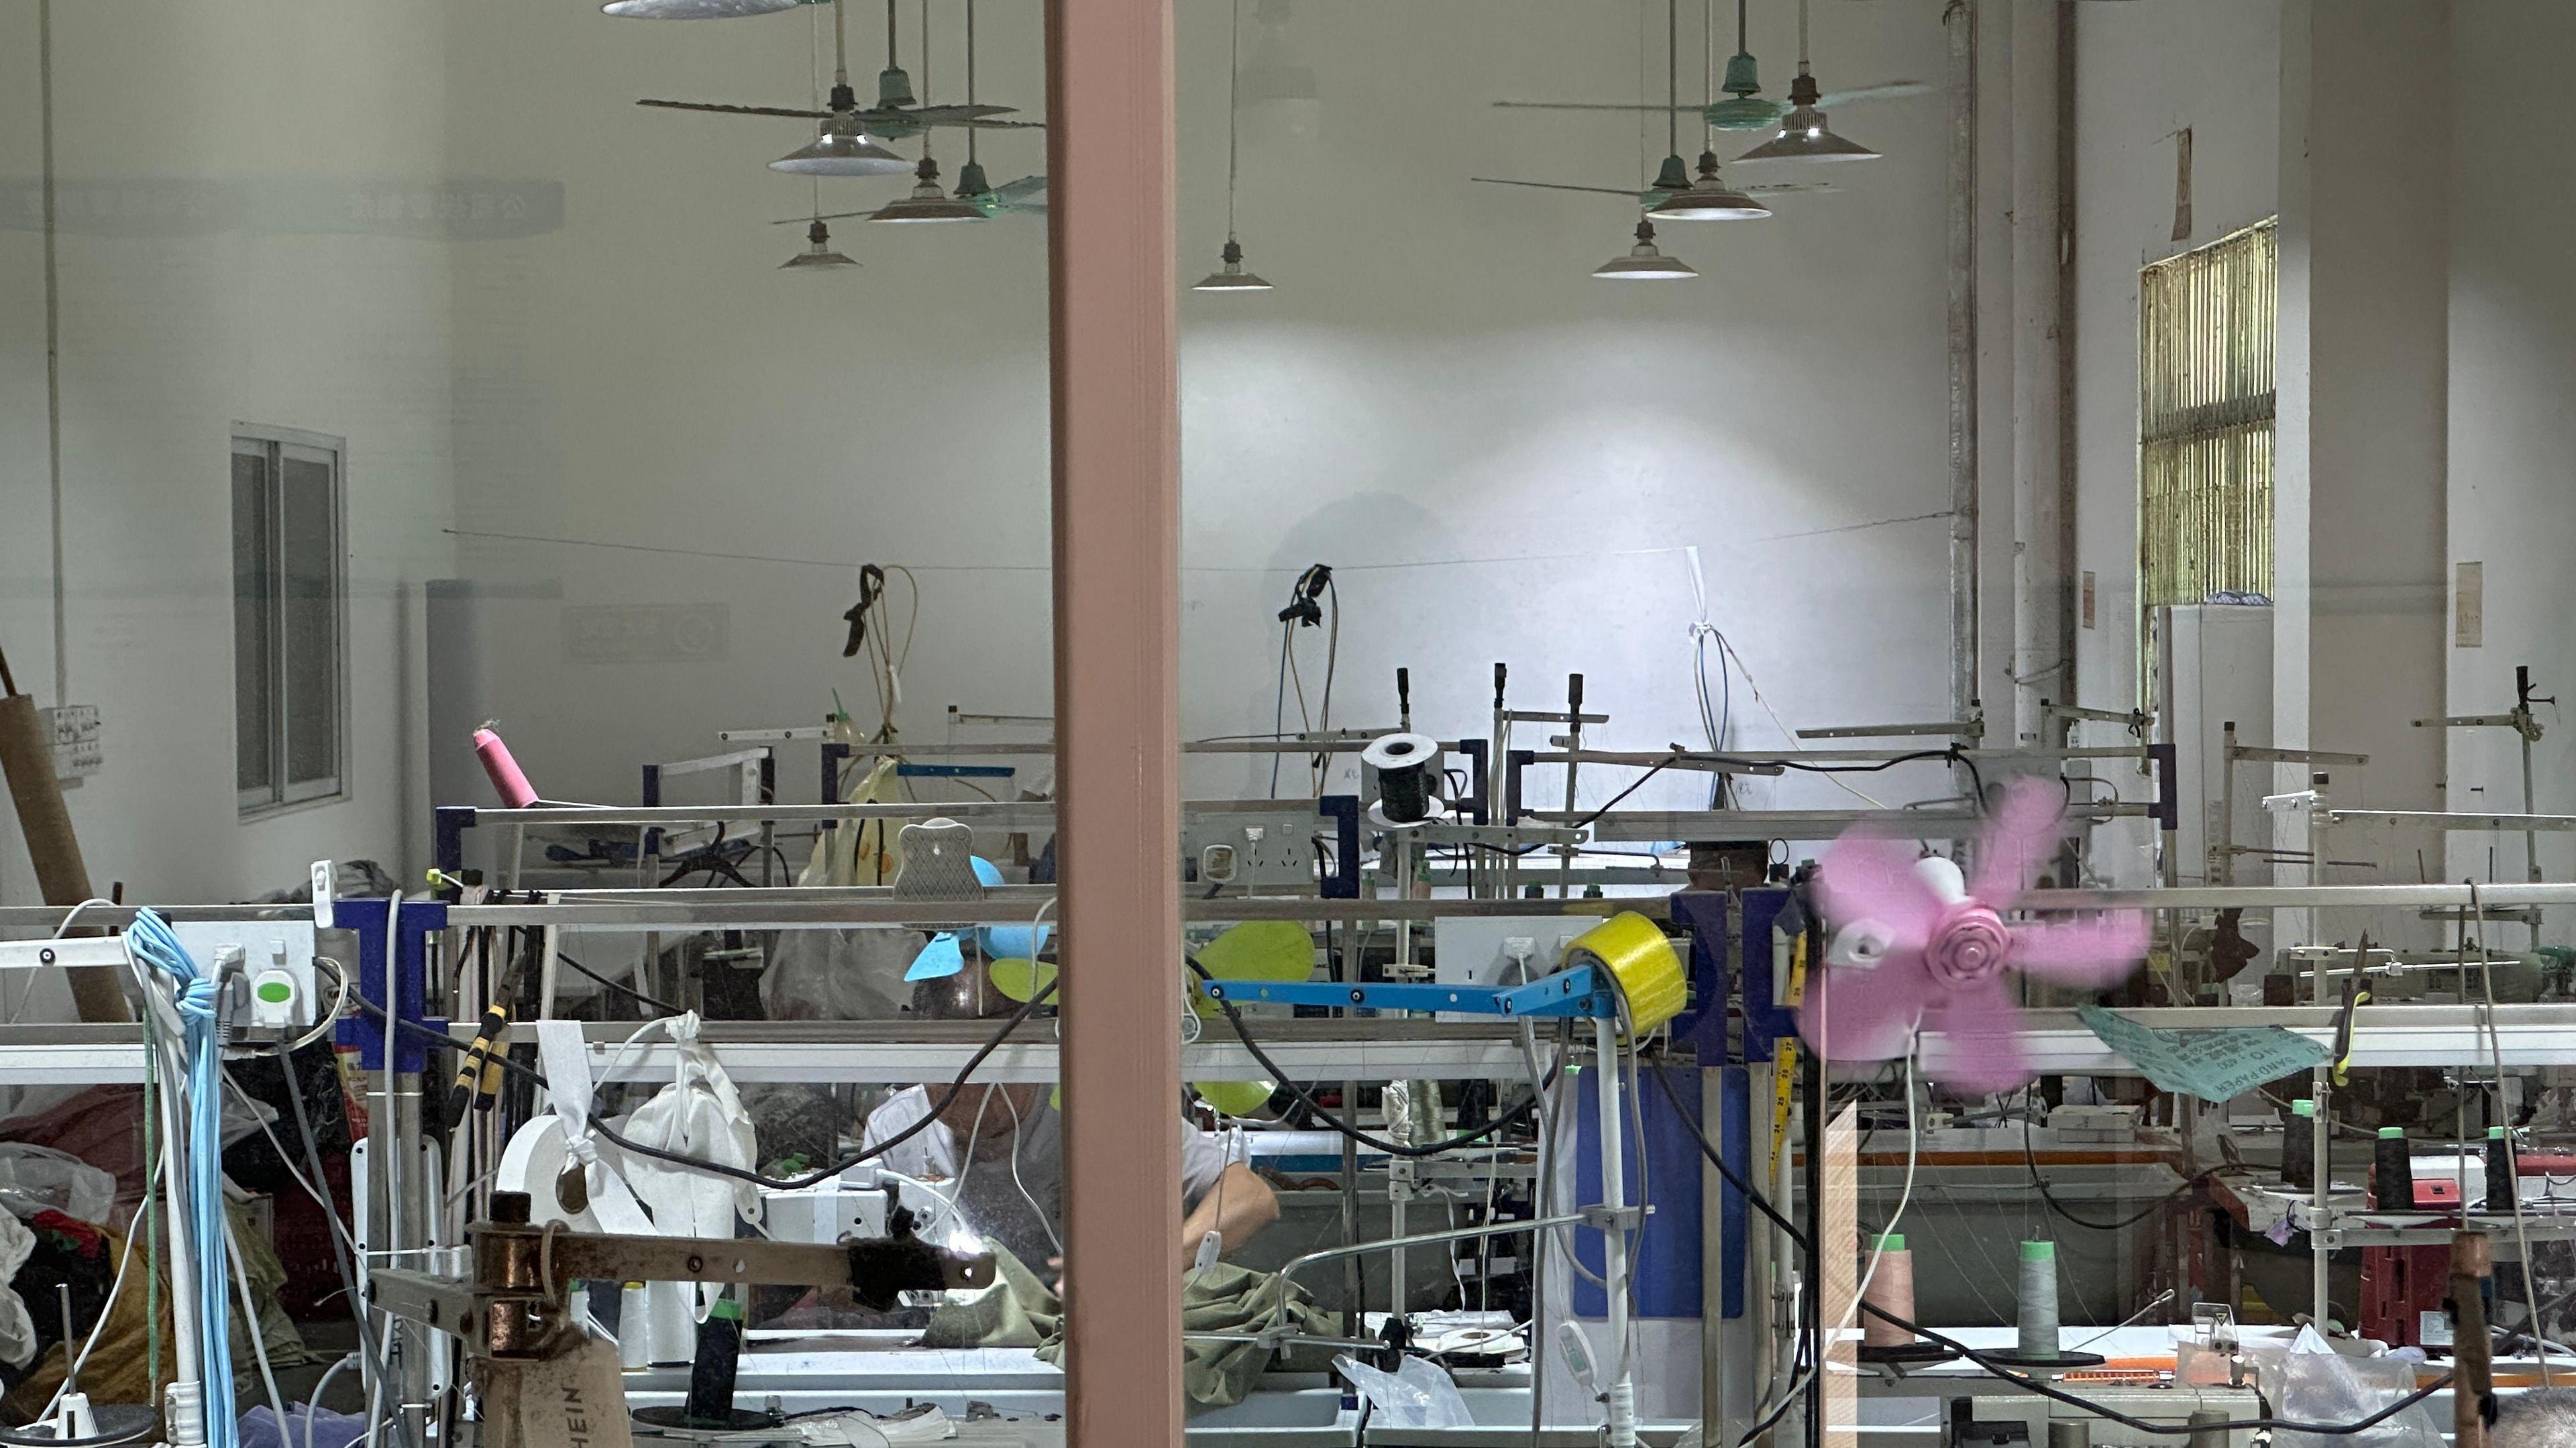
[999, 1149]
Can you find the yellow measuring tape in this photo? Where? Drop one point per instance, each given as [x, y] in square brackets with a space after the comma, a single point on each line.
[1784, 1055]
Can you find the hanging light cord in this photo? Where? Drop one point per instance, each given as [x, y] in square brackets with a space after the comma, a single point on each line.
[1673, 77]
[814, 81]
[1802, 37]
[925, 77]
[971, 128]
[1233, 114]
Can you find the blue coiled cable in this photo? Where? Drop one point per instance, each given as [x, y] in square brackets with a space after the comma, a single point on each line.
[157, 948]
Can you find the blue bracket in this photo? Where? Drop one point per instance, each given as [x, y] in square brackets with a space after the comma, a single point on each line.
[1583, 991]
[954, 771]
[1344, 811]
[1702, 1023]
[2168, 807]
[1474, 752]
[833, 753]
[451, 821]
[1764, 1022]
[409, 998]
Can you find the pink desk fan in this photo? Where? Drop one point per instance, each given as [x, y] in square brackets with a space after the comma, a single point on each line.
[1916, 944]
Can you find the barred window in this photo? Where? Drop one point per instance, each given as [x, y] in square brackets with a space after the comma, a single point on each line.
[2206, 324]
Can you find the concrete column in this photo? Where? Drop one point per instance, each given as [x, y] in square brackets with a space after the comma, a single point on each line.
[1112, 294]
[2363, 406]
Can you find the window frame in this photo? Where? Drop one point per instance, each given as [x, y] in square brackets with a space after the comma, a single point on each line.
[276, 446]
[2191, 356]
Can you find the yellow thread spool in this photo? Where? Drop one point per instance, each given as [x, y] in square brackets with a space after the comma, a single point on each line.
[1633, 949]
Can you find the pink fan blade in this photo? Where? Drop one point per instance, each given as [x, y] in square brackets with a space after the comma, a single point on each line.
[1867, 1014]
[1871, 877]
[2097, 952]
[1981, 1052]
[2021, 833]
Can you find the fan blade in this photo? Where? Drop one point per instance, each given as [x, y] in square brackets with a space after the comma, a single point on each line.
[1561, 186]
[2098, 952]
[2020, 833]
[1789, 188]
[1887, 92]
[1980, 1026]
[948, 115]
[981, 123]
[738, 110]
[1022, 189]
[1855, 1014]
[826, 216]
[1872, 877]
[1593, 106]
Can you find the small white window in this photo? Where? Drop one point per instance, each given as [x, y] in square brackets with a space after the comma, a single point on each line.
[289, 650]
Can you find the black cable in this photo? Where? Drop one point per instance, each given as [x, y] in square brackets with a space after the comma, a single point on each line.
[621, 987]
[2009, 1374]
[1316, 1109]
[1717, 1159]
[2006, 1371]
[322, 1184]
[600, 1124]
[2030, 1158]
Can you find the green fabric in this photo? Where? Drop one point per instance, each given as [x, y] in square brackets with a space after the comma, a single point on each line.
[1021, 1310]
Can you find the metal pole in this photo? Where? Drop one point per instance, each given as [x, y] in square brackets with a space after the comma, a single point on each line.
[2320, 1086]
[1112, 295]
[2222, 861]
[1574, 748]
[1959, 20]
[1621, 1389]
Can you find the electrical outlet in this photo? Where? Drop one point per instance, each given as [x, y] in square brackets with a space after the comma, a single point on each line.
[73, 730]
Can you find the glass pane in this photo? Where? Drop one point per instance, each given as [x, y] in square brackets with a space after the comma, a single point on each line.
[254, 623]
[309, 565]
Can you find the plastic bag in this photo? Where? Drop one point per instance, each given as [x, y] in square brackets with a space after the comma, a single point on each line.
[38, 1178]
[839, 975]
[2315, 1384]
[327, 1429]
[1416, 1395]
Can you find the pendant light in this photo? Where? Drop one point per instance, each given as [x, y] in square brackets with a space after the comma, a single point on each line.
[818, 254]
[1803, 134]
[972, 185]
[1230, 275]
[1707, 198]
[841, 147]
[694, 9]
[1643, 263]
[927, 202]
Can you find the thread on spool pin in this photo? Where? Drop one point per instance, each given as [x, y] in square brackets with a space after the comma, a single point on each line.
[2392, 1171]
[1890, 1290]
[2502, 1183]
[1403, 765]
[2299, 1146]
[2037, 1301]
[508, 780]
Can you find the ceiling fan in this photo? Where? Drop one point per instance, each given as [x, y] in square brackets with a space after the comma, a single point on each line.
[1026, 196]
[895, 116]
[1746, 108]
[1676, 195]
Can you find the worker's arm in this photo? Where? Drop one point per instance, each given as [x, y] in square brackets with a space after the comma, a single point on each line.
[1236, 1208]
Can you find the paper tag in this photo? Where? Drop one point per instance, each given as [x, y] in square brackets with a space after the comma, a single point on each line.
[2213, 1065]
[576, 1400]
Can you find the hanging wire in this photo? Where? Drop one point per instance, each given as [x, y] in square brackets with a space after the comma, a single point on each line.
[970, 82]
[1672, 77]
[924, 97]
[1233, 113]
[814, 77]
[1802, 37]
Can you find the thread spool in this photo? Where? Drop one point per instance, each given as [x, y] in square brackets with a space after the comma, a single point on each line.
[1403, 765]
[1890, 1290]
[2299, 1146]
[2392, 1171]
[2037, 1299]
[508, 780]
[2503, 1183]
[634, 1327]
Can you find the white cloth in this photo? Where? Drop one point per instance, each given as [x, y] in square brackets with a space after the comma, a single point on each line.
[988, 1199]
[17, 1327]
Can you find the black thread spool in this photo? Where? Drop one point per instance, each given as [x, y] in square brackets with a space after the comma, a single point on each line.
[2502, 1184]
[1403, 765]
[2299, 1146]
[2392, 1171]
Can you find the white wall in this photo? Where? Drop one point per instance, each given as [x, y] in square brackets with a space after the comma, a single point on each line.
[1503, 455]
[2512, 443]
[2144, 72]
[181, 315]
